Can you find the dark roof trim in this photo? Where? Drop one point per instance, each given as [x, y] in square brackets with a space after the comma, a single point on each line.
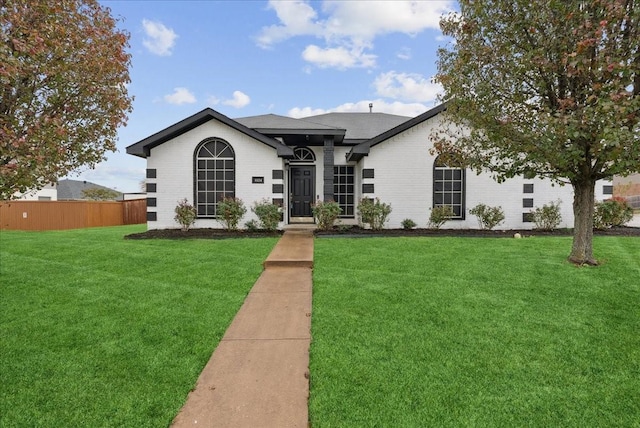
[308, 131]
[143, 147]
[362, 149]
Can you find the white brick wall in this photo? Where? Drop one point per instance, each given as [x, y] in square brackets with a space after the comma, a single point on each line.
[404, 178]
[173, 162]
[403, 170]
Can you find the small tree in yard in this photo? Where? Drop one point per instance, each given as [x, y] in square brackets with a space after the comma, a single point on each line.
[613, 212]
[374, 212]
[439, 216]
[100, 194]
[547, 217]
[230, 211]
[488, 217]
[326, 213]
[268, 214]
[64, 70]
[185, 214]
[548, 89]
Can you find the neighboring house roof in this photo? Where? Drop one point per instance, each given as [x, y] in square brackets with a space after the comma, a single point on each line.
[363, 148]
[143, 147]
[72, 189]
[359, 126]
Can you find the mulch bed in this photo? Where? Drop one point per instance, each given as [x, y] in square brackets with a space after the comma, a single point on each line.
[202, 234]
[360, 232]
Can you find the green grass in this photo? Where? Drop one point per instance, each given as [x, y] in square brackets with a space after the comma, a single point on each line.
[419, 332]
[96, 330]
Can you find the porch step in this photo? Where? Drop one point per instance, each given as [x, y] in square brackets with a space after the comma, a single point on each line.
[292, 250]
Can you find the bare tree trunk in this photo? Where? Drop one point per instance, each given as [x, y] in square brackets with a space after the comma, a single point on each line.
[583, 207]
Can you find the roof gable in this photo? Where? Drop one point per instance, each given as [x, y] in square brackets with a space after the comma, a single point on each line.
[363, 148]
[143, 147]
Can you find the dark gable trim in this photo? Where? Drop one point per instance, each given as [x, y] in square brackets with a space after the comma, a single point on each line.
[362, 149]
[143, 147]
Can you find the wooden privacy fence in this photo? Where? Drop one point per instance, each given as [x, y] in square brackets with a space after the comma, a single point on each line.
[56, 215]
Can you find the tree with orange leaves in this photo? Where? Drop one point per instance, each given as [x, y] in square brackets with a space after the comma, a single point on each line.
[548, 89]
[64, 68]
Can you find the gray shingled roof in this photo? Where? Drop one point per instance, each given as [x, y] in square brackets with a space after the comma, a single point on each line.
[274, 121]
[359, 126]
[72, 189]
[362, 149]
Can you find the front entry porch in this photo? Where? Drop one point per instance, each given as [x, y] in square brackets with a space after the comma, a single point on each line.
[302, 193]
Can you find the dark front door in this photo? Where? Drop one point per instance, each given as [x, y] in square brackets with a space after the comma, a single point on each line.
[302, 190]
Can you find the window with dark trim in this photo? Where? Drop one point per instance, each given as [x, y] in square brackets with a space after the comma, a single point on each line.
[215, 175]
[344, 188]
[449, 188]
[303, 154]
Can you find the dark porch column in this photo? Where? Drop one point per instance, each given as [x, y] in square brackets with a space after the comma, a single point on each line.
[328, 168]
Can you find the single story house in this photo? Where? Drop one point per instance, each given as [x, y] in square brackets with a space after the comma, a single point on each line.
[47, 193]
[335, 156]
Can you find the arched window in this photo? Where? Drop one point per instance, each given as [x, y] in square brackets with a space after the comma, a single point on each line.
[303, 154]
[215, 175]
[448, 187]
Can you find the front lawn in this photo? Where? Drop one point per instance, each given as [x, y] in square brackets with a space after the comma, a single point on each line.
[96, 330]
[417, 332]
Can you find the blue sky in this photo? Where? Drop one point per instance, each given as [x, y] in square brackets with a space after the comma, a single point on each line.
[292, 58]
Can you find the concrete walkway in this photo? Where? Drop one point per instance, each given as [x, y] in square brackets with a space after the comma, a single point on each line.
[258, 376]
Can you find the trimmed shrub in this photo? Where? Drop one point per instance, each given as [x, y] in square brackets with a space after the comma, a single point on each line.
[439, 215]
[373, 212]
[548, 217]
[408, 224]
[613, 212]
[185, 214]
[268, 214]
[230, 212]
[251, 225]
[488, 217]
[326, 213]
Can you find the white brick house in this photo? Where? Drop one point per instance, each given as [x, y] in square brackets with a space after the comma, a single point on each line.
[336, 156]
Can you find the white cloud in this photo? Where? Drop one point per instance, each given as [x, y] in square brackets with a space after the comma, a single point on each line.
[298, 112]
[180, 96]
[297, 19]
[349, 27]
[239, 100]
[404, 53]
[160, 39]
[368, 19]
[339, 57]
[406, 87]
[379, 106]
